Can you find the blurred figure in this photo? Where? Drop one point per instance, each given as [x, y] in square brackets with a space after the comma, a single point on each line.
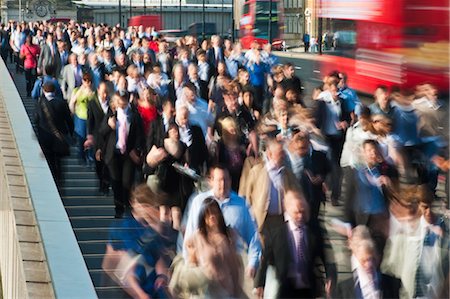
[97, 110]
[292, 248]
[81, 96]
[71, 77]
[331, 118]
[382, 104]
[138, 254]
[235, 212]
[49, 55]
[29, 53]
[266, 182]
[212, 248]
[122, 131]
[369, 186]
[367, 281]
[54, 124]
[421, 234]
[310, 168]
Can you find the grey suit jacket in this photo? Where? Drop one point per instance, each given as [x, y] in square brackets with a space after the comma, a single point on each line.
[46, 58]
[67, 81]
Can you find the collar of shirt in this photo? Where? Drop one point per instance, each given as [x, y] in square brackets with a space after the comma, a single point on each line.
[104, 105]
[291, 223]
[363, 277]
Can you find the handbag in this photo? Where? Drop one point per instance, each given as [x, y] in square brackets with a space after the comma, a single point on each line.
[60, 146]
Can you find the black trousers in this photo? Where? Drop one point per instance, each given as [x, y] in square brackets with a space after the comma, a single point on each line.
[288, 290]
[335, 142]
[18, 61]
[102, 173]
[121, 170]
[347, 194]
[30, 77]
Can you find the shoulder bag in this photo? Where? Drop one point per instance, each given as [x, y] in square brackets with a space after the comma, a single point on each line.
[60, 146]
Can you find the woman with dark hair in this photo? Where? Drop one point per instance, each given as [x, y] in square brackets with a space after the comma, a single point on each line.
[29, 53]
[146, 105]
[212, 249]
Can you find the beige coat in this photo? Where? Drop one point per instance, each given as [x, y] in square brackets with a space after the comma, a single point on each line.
[257, 190]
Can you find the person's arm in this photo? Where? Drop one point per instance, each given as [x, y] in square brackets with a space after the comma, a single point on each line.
[260, 278]
[22, 54]
[63, 83]
[36, 92]
[251, 237]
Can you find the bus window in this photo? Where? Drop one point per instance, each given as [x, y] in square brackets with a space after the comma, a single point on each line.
[262, 20]
[246, 9]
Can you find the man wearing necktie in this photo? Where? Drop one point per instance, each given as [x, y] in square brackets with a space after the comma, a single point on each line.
[292, 249]
[265, 188]
[310, 167]
[123, 135]
[71, 77]
[49, 55]
[367, 282]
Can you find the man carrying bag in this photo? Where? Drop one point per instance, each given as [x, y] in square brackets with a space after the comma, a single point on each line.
[54, 124]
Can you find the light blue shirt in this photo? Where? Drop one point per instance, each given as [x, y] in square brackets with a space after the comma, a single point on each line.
[198, 114]
[236, 214]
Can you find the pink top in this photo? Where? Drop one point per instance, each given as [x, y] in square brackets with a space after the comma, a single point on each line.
[30, 52]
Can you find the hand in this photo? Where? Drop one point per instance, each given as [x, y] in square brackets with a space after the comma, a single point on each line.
[317, 180]
[258, 292]
[112, 122]
[98, 155]
[256, 114]
[211, 106]
[384, 181]
[250, 272]
[161, 281]
[328, 288]
[89, 141]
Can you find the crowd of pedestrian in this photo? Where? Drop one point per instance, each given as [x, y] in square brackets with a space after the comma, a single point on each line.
[220, 164]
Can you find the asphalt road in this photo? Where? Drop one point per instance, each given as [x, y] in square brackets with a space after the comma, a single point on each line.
[308, 69]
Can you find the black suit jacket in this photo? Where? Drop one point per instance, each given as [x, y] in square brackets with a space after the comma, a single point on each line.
[211, 56]
[62, 120]
[197, 153]
[135, 140]
[316, 164]
[60, 112]
[95, 120]
[320, 113]
[172, 94]
[277, 251]
[202, 90]
[350, 288]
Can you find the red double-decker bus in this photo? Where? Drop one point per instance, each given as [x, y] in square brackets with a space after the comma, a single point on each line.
[254, 23]
[401, 42]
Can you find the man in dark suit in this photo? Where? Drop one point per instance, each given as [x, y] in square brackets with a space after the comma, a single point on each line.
[96, 113]
[122, 131]
[367, 281]
[192, 136]
[292, 248]
[310, 168]
[175, 87]
[215, 53]
[332, 119]
[49, 55]
[201, 86]
[53, 120]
